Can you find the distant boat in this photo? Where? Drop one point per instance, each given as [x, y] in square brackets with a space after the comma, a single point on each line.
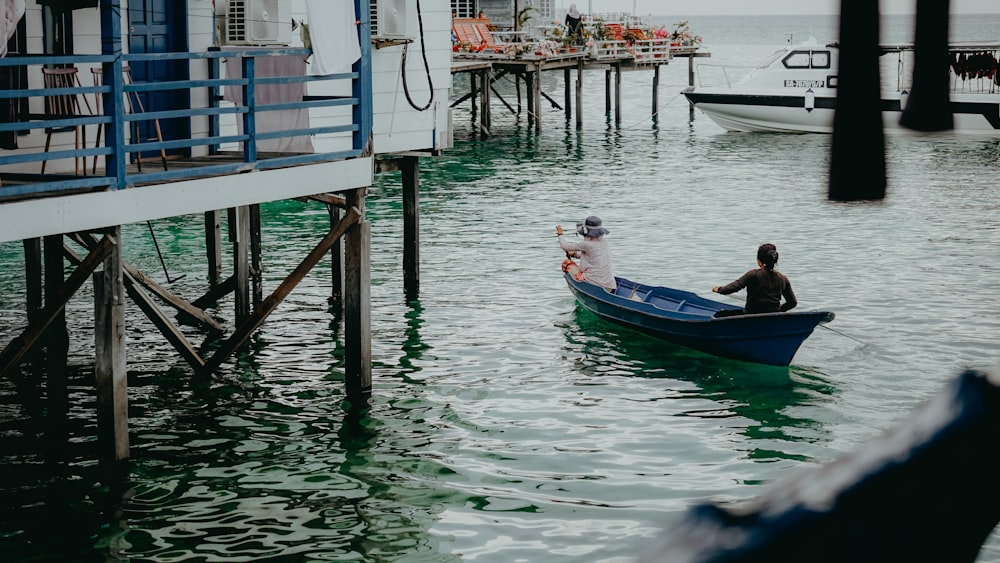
[795, 89]
[687, 319]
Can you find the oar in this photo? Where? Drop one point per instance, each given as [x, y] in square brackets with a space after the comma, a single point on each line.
[844, 335]
[821, 326]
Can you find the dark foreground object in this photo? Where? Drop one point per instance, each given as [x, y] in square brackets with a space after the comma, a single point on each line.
[926, 491]
[685, 318]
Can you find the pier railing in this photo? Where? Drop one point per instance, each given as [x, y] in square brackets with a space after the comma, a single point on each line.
[338, 120]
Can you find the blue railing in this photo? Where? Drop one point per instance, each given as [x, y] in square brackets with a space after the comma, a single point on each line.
[345, 117]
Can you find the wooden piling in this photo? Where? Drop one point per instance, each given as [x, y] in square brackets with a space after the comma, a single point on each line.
[109, 354]
[618, 94]
[213, 246]
[411, 226]
[567, 93]
[357, 307]
[241, 267]
[656, 92]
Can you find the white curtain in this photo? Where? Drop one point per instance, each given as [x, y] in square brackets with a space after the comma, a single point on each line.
[11, 12]
[333, 35]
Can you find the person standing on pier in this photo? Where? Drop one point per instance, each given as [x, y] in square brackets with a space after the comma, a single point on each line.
[765, 286]
[574, 23]
[593, 252]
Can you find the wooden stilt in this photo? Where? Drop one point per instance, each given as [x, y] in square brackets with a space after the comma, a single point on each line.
[268, 305]
[56, 335]
[484, 102]
[536, 94]
[529, 88]
[256, 264]
[517, 88]
[55, 302]
[33, 275]
[213, 246]
[109, 355]
[607, 92]
[33, 282]
[618, 94]
[656, 92]
[691, 83]
[579, 95]
[357, 308]
[336, 299]
[241, 267]
[568, 93]
[473, 95]
[411, 226]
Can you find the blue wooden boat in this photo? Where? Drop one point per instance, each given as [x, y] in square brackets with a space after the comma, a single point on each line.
[687, 319]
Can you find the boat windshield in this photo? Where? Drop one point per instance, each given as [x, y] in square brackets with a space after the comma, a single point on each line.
[770, 60]
[807, 59]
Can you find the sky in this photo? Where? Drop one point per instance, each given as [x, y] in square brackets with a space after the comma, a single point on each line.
[753, 7]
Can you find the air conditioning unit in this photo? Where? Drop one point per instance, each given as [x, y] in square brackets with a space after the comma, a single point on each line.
[391, 18]
[258, 22]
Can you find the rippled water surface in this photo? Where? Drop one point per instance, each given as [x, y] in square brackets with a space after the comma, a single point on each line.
[507, 424]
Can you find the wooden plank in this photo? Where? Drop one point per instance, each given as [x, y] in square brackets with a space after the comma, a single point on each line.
[167, 328]
[260, 314]
[182, 306]
[20, 345]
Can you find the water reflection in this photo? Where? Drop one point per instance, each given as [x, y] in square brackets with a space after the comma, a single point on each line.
[765, 395]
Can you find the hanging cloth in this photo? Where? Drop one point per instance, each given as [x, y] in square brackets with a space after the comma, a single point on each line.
[334, 35]
[11, 12]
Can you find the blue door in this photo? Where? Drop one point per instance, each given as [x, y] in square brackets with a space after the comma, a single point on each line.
[160, 26]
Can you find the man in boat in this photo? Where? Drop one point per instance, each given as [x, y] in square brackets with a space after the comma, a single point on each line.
[593, 253]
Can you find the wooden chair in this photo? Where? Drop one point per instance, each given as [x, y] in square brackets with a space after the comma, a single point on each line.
[133, 105]
[65, 106]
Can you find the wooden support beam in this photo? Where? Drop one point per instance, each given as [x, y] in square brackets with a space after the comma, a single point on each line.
[568, 92]
[56, 336]
[110, 371]
[20, 345]
[503, 101]
[618, 94]
[33, 275]
[529, 98]
[656, 93]
[537, 95]
[607, 91]
[336, 299]
[189, 310]
[214, 294]
[241, 265]
[256, 263]
[213, 245]
[357, 310]
[579, 95]
[260, 314]
[329, 199]
[167, 328]
[411, 227]
[554, 103]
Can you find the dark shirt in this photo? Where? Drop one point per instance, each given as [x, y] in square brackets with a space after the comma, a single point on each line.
[572, 25]
[764, 291]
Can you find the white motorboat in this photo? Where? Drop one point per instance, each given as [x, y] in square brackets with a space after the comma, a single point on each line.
[795, 89]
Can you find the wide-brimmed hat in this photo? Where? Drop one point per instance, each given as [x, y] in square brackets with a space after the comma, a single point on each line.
[591, 227]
